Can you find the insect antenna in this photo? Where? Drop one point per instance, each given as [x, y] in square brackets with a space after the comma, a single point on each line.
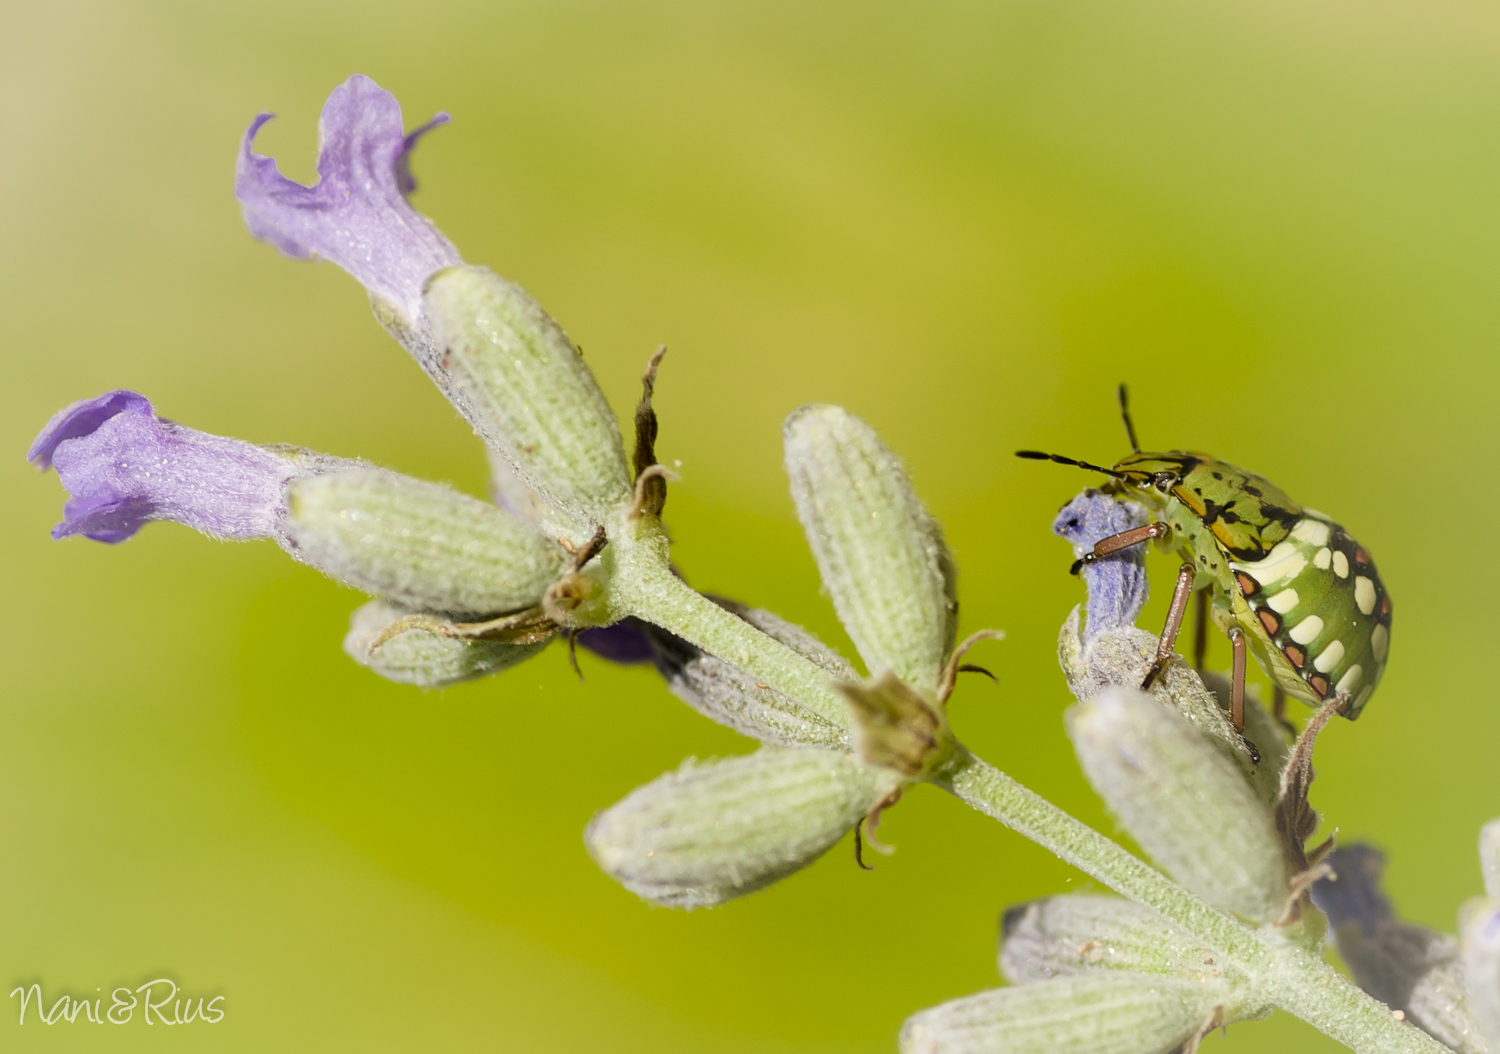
[1124, 396]
[1037, 455]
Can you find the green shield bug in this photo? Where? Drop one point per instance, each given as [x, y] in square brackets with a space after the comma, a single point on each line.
[1282, 581]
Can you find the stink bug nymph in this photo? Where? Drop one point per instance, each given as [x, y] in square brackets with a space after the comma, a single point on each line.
[1285, 580]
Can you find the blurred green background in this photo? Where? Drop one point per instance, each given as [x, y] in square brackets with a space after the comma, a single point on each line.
[964, 221]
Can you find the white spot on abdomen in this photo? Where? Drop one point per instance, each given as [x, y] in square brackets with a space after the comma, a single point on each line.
[1306, 631]
[1364, 594]
[1312, 532]
[1331, 657]
[1283, 562]
[1362, 697]
[1380, 639]
[1322, 559]
[1341, 565]
[1350, 680]
[1284, 601]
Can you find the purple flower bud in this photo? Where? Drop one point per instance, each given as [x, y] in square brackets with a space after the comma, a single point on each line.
[627, 642]
[1116, 583]
[124, 466]
[356, 214]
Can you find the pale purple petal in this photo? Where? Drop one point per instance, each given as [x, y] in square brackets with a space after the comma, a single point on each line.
[1352, 893]
[124, 466]
[356, 214]
[1116, 583]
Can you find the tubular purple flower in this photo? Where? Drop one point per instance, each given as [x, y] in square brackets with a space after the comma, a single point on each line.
[124, 466]
[356, 214]
[1116, 584]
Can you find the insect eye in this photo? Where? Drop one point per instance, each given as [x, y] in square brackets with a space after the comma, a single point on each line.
[1164, 481]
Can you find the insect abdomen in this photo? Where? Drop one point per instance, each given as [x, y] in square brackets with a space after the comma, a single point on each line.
[1317, 597]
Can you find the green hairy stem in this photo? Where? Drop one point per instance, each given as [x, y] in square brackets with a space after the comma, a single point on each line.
[1288, 975]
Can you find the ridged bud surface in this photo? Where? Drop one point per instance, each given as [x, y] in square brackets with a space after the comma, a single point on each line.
[1085, 933]
[420, 545]
[883, 559]
[533, 398]
[727, 694]
[1489, 857]
[1183, 801]
[1109, 1013]
[715, 830]
[421, 657]
[1479, 936]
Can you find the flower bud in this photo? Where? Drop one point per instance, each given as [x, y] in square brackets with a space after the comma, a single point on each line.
[1182, 800]
[421, 545]
[1479, 935]
[531, 397]
[727, 694]
[423, 658]
[1408, 967]
[1085, 933]
[715, 830]
[1489, 857]
[883, 559]
[1119, 656]
[1111, 1013]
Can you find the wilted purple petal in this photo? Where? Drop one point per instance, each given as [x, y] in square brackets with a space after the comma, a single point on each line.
[124, 466]
[1352, 893]
[627, 642]
[356, 214]
[1116, 583]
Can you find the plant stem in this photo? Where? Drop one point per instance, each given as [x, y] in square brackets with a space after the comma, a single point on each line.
[1291, 976]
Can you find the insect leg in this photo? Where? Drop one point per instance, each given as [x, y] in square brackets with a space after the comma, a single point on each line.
[1200, 629]
[1278, 710]
[1237, 680]
[1115, 542]
[1174, 624]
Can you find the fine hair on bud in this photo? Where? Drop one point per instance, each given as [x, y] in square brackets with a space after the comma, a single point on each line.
[420, 545]
[716, 830]
[533, 398]
[1105, 1013]
[421, 657]
[882, 557]
[1085, 933]
[1182, 800]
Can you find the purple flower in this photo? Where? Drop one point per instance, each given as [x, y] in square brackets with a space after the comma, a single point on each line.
[124, 466]
[356, 214]
[1117, 583]
[627, 642]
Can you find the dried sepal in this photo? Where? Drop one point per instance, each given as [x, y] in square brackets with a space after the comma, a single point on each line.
[1187, 805]
[895, 728]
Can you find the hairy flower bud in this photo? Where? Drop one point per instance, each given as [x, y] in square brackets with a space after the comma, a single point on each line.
[530, 396]
[715, 830]
[421, 657]
[419, 544]
[1409, 967]
[1107, 1013]
[1479, 934]
[882, 558]
[1489, 857]
[1085, 933]
[1188, 806]
[727, 694]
